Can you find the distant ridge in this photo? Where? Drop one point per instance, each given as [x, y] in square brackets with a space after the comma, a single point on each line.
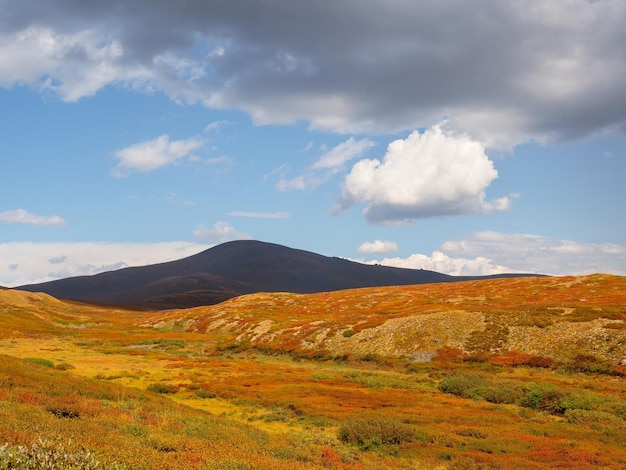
[232, 269]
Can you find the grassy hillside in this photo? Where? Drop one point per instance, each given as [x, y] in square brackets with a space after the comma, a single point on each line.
[513, 373]
[559, 318]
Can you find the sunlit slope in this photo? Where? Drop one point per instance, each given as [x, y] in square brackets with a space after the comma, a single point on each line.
[24, 314]
[557, 317]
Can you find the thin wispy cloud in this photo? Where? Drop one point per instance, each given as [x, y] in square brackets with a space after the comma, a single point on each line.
[378, 246]
[336, 157]
[173, 198]
[217, 125]
[298, 183]
[23, 217]
[219, 232]
[223, 159]
[32, 263]
[307, 147]
[261, 215]
[327, 165]
[153, 154]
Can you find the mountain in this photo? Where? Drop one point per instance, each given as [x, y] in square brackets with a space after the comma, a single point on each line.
[229, 270]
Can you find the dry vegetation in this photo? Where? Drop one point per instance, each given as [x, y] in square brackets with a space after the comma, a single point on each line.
[514, 373]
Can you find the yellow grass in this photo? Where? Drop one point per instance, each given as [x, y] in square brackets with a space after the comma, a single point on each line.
[268, 380]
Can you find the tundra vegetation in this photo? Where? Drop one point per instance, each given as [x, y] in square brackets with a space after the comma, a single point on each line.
[525, 373]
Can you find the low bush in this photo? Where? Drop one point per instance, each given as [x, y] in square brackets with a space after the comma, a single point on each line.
[205, 394]
[477, 356]
[502, 394]
[48, 455]
[169, 344]
[372, 357]
[447, 355]
[517, 359]
[589, 364]
[463, 385]
[162, 388]
[544, 397]
[619, 371]
[64, 412]
[582, 401]
[595, 419]
[369, 432]
[470, 432]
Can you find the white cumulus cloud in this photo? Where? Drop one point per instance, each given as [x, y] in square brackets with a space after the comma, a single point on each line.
[152, 154]
[486, 253]
[21, 216]
[377, 246]
[442, 263]
[220, 232]
[428, 174]
[525, 252]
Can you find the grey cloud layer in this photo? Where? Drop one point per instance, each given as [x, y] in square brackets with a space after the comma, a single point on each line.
[502, 71]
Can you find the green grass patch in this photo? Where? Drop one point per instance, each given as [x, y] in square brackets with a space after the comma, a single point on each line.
[39, 361]
[371, 432]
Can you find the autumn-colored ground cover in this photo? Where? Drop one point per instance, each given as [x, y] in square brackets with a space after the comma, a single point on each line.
[513, 373]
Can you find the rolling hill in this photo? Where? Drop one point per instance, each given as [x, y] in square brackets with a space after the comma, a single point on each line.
[229, 270]
[525, 373]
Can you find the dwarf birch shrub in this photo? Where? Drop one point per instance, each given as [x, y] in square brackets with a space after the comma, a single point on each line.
[46, 455]
[372, 431]
[463, 385]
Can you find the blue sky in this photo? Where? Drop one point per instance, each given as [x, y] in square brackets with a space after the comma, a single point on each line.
[460, 137]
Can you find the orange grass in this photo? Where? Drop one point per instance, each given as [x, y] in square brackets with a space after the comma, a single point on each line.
[266, 381]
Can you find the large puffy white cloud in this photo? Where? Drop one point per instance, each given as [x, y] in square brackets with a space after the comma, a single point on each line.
[21, 216]
[442, 263]
[152, 154]
[487, 253]
[31, 263]
[427, 174]
[504, 72]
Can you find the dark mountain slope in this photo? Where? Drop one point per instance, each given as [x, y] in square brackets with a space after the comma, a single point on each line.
[228, 270]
